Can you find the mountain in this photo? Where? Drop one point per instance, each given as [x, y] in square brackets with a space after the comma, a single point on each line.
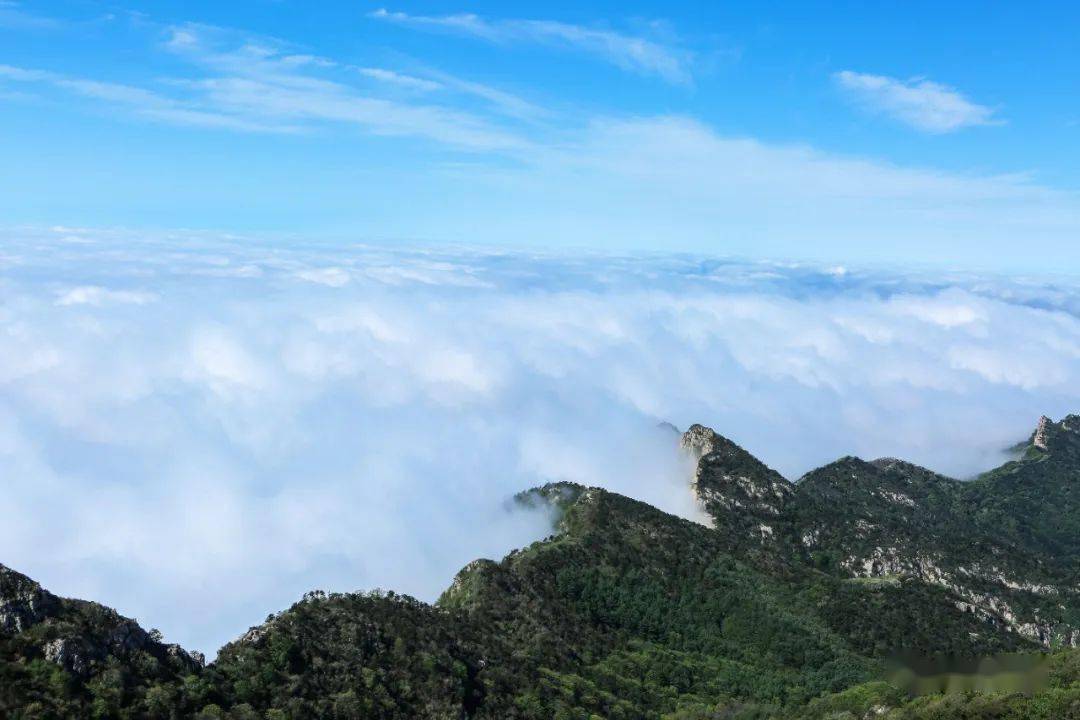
[1007, 544]
[789, 605]
[71, 658]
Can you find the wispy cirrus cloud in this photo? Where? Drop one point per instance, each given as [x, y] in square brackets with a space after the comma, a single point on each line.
[535, 173]
[261, 77]
[249, 83]
[404, 80]
[142, 102]
[12, 15]
[922, 104]
[435, 81]
[628, 52]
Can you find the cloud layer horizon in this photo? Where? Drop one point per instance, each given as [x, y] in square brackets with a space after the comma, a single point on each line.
[197, 428]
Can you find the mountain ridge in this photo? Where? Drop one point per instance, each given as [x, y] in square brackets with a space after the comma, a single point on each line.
[889, 517]
[787, 606]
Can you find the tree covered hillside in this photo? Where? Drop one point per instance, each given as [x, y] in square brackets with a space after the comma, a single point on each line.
[787, 606]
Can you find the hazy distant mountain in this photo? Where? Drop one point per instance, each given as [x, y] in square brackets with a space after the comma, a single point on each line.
[786, 607]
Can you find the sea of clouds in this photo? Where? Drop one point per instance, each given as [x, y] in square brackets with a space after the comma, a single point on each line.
[198, 428]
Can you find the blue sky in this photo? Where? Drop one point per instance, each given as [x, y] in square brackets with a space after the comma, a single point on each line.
[910, 132]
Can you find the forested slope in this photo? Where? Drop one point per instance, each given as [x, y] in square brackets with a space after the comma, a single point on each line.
[788, 606]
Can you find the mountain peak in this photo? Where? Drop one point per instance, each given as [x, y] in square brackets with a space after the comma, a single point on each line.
[699, 440]
[1050, 435]
[668, 427]
[22, 601]
[734, 487]
[1039, 439]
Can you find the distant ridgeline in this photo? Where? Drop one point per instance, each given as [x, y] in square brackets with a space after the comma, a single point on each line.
[794, 603]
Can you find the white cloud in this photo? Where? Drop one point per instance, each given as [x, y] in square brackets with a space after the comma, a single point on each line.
[249, 436]
[252, 84]
[673, 181]
[254, 77]
[436, 81]
[144, 103]
[920, 103]
[93, 295]
[627, 52]
[13, 16]
[941, 312]
[222, 363]
[396, 78]
[331, 276]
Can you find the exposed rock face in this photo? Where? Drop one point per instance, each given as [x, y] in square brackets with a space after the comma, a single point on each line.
[71, 655]
[79, 636]
[1060, 438]
[699, 440]
[23, 603]
[1039, 439]
[127, 637]
[736, 489]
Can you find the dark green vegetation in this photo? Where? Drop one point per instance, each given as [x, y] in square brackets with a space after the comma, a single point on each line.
[786, 608]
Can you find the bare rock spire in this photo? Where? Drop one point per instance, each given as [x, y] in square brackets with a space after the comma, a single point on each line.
[1041, 433]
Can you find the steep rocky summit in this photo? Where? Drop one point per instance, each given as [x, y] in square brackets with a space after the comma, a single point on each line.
[739, 492]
